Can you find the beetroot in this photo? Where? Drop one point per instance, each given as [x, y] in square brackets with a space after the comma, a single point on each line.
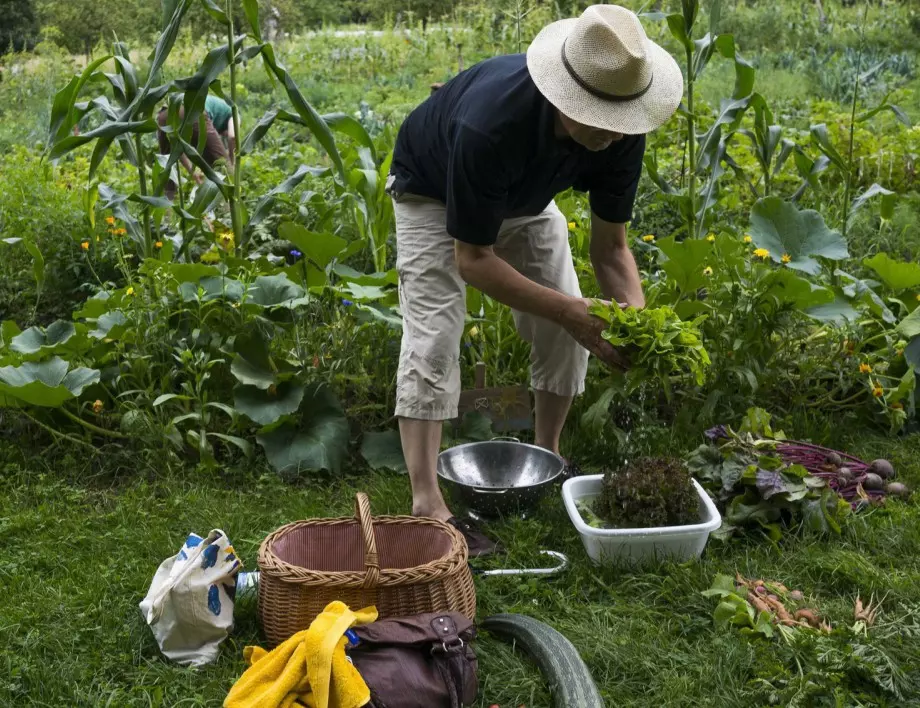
[873, 482]
[882, 468]
[897, 489]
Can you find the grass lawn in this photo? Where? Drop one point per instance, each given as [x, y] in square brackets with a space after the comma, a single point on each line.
[79, 549]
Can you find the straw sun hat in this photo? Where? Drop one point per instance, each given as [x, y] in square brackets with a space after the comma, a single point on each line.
[602, 70]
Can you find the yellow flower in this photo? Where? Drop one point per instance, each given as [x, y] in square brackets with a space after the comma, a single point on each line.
[235, 305]
[84, 245]
[786, 258]
[649, 238]
[878, 391]
[226, 240]
[571, 226]
[865, 369]
[711, 238]
[119, 232]
[474, 332]
[762, 253]
[110, 220]
[158, 244]
[129, 291]
[707, 271]
[747, 238]
[918, 297]
[97, 406]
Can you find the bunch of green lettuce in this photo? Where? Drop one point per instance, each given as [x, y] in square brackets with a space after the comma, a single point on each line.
[658, 343]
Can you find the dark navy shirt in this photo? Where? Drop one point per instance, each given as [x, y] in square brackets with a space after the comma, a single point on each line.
[485, 145]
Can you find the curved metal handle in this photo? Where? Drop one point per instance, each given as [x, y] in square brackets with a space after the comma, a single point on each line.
[484, 490]
[560, 566]
[509, 438]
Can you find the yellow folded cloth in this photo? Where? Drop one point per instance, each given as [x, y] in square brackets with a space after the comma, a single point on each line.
[309, 669]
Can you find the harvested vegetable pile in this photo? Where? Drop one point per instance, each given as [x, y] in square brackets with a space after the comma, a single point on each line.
[759, 607]
[852, 479]
[659, 344]
[650, 492]
[756, 488]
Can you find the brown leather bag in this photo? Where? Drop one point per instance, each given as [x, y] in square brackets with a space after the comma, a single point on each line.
[424, 661]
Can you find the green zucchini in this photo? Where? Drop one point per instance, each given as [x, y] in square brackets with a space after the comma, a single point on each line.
[569, 679]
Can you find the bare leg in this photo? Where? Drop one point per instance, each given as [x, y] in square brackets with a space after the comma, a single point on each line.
[551, 411]
[421, 441]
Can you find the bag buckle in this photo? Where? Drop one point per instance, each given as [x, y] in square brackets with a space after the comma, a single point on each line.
[455, 645]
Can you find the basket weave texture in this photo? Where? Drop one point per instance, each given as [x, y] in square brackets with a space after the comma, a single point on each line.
[403, 565]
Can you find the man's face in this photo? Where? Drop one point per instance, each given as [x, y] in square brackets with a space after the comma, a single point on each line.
[594, 139]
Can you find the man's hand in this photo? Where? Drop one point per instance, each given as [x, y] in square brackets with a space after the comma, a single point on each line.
[587, 330]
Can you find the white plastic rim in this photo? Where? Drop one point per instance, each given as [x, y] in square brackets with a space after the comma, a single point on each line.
[590, 485]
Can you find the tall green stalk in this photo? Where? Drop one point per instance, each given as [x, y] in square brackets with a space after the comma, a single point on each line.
[235, 215]
[691, 139]
[848, 182]
[142, 181]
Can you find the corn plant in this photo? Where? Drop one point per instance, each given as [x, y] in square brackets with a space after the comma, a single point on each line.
[129, 116]
[705, 153]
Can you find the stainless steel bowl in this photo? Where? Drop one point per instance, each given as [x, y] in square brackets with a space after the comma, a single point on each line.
[498, 476]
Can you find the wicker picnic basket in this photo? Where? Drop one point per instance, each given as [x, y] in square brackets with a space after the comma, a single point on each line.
[401, 564]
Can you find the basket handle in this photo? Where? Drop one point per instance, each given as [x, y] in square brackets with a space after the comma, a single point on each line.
[371, 560]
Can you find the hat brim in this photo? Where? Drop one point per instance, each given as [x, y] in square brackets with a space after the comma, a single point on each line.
[637, 116]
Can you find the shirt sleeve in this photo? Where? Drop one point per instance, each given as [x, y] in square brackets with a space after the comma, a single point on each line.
[612, 185]
[476, 188]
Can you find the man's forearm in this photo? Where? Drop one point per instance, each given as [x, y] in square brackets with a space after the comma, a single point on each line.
[497, 279]
[618, 275]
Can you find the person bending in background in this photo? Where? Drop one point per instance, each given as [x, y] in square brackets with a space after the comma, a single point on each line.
[475, 171]
[220, 140]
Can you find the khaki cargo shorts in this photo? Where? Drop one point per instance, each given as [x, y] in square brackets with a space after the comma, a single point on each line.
[432, 296]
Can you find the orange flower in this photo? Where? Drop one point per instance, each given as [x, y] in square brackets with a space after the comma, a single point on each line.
[865, 369]
[110, 220]
[878, 391]
[84, 245]
[158, 244]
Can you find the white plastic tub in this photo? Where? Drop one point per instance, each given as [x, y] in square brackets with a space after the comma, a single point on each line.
[679, 543]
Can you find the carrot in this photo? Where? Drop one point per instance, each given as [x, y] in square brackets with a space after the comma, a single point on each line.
[809, 616]
[779, 608]
[758, 603]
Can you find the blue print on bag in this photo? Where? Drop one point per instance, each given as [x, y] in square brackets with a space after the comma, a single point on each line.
[182, 555]
[193, 540]
[214, 600]
[209, 557]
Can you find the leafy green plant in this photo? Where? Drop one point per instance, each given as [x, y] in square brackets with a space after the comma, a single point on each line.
[658, 343]
[757, 490]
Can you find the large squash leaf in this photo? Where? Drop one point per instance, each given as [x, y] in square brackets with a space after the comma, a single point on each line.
[276, 291]
[383, 450]
[685, 262]
[47, 384]
[60, 336]
[318, 443]
[897, 275]
[782, 229]
[265, 406]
